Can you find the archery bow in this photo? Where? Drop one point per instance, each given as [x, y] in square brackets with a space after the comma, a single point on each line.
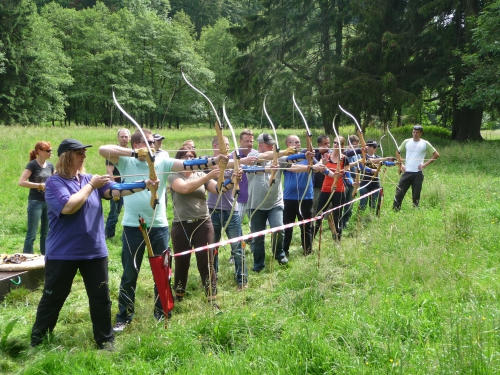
[150, 158]
[308, 131]
[398, 152]
[363, 149]
[276, 147]
[309, 148]
[235, 179]
[218, 130]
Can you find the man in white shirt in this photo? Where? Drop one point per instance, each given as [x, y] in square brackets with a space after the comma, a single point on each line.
[416, 149]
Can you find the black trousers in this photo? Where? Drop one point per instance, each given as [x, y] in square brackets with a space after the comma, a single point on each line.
[59, 275]
[292, 211]
[413, 179]
[204, 235]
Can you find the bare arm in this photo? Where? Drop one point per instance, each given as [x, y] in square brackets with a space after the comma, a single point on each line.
[185, 187]
[23, 180]
[435, 155]
[113, 152]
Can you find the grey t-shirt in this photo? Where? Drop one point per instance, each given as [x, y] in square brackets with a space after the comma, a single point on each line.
[258, 185]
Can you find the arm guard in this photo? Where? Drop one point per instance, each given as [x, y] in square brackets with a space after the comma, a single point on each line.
[196, 163]
[348, 178]
[295, 158]
[224, 186]
[389, 163]
[128, 186]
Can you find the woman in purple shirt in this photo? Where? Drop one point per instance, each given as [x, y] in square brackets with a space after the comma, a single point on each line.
[76, 242]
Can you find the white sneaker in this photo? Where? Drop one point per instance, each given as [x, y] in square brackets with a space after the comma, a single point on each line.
[119, 326]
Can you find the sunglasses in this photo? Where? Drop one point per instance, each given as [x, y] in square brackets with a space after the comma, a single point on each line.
[81, 152]
[418, 127]
[47, 150]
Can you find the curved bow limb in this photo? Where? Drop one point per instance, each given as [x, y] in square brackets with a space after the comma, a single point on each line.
[237, 154]
[398, 152]
[358, 170]
[276, 147]
[150, 157]
[218, 130]
[363, 148]
[308, 131]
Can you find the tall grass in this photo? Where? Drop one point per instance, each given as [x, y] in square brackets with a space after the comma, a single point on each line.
[412, 292]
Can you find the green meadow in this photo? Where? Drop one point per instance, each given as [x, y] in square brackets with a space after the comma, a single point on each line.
[413, 292]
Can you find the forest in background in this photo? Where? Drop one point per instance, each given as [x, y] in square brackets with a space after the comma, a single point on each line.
[389, 62]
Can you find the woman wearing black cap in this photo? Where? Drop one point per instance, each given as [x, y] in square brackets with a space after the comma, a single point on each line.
[75, 242]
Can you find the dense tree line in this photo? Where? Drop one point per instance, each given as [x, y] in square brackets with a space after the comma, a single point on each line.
[393, 61]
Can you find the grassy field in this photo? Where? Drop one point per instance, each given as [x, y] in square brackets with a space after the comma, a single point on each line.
[413, 292]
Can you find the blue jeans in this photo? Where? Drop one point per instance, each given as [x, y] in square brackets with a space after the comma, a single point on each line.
[259, 219]
[115, 208]
[219, 220]
[133, 247]
[367, 188]
[37, 212]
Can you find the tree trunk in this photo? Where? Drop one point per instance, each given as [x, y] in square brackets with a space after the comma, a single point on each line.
[466, 124]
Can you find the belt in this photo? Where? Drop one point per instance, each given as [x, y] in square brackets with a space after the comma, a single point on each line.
[190, 221]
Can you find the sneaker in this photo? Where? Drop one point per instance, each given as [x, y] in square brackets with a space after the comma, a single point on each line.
[231, 260]
[119, 326]
[283, 261]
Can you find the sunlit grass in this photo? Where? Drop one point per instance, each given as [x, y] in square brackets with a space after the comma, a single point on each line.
[411, 292]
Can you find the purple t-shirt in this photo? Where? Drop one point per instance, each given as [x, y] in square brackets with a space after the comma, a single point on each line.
[243, 195]
[79, 235]
[225, 203]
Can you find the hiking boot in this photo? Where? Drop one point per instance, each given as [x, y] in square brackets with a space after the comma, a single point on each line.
[107, 346]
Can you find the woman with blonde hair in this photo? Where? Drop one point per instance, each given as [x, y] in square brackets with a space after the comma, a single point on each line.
[76, 242]
[33, 177]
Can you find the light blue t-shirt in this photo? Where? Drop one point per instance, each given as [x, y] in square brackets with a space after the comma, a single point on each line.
[138, 204]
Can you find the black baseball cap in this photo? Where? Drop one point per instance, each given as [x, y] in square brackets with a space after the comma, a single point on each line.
[266, 138]
[373, 144]
[70, 144]
[158, 137]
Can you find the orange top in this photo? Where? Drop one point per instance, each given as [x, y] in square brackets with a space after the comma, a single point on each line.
[328, 181]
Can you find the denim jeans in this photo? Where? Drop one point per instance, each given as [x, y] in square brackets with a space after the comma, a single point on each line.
[292, 211]
[115, 208]
[219, 220]
[133, 247]
[259, 219]
[367, 188]
[37, 212]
